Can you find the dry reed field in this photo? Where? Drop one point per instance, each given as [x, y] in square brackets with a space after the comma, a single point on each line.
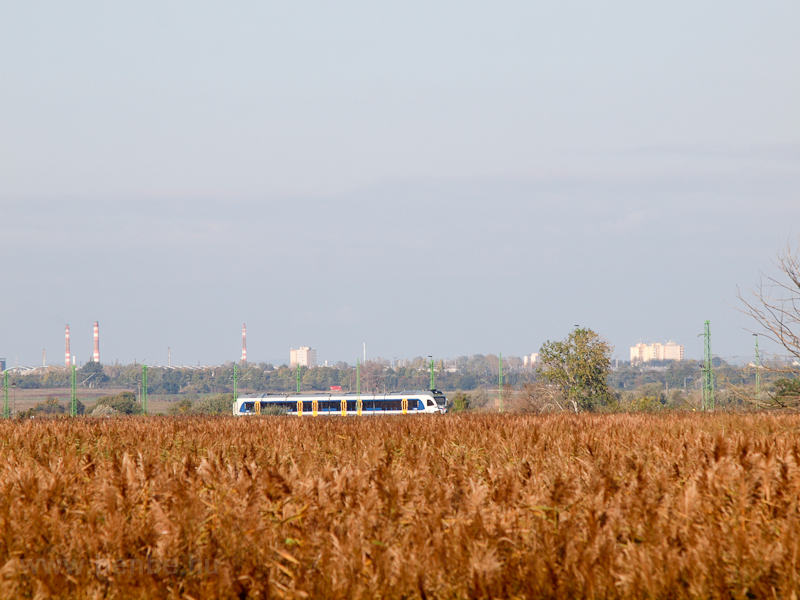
[474, 506]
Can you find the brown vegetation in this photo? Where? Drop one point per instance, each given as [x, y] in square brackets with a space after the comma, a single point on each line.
[472, 506]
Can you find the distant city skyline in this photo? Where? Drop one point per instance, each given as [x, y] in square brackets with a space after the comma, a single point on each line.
[308, 356]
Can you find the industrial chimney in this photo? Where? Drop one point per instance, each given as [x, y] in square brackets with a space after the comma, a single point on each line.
[244, 344]
[66, 349]
[96, 356]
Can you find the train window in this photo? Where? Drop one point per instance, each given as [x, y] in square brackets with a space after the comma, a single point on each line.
[430, 402]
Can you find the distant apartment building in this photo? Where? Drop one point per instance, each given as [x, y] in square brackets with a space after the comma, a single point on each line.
[303, 356]
[530, 360]
[642, 353]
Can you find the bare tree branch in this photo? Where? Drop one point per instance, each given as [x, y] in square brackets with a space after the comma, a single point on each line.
[775, 306]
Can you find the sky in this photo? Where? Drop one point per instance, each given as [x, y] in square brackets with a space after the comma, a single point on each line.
[428, 178]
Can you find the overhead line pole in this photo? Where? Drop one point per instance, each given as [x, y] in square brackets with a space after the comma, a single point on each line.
[500, 382]
[758, 367]
[6, 410]
[358, 388]
[708, 370]
[144, 389]
[73, 398]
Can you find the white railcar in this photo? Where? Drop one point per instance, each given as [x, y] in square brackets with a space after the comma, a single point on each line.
[394, 403]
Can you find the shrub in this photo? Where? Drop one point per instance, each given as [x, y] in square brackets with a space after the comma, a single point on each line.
[220, 404]
[49, 407]
[460, 402]
[124, 403]
[646, 404]
[104, 410]
[184, 407]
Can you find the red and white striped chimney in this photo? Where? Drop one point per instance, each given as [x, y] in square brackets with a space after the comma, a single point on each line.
[96, 356]
[244, 343]
[66, 348]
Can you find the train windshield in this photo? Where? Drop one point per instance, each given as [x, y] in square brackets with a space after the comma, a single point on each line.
[440, 400]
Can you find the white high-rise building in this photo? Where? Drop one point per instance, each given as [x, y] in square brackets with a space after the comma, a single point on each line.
[642, 353]
[530, 359]
[303, 356]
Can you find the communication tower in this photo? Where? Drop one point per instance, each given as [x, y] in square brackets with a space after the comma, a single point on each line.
[66, 348]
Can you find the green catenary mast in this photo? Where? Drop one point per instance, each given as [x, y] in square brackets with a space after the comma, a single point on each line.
[6, 410]
[297, 377]
[433, 382]
[73, 401]
[500, 382]
[708, 371]
[758, 367]
[144, 389]
[235, 391]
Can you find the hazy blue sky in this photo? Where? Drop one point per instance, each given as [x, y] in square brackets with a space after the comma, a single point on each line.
[429, 177]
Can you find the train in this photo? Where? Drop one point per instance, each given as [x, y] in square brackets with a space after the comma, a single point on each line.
[416, 402]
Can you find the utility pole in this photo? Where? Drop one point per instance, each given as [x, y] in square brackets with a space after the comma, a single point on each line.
[358, 388]
[297, 377]
[144, 389]
[500, 382]
[73, 401]
[235, 390]
[6, 410]
[708, 371]
[758, 367]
